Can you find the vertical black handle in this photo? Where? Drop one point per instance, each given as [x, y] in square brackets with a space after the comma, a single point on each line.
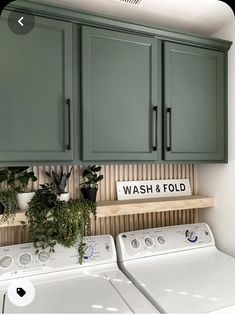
[168, 132]
[68, 128]
[155, 116]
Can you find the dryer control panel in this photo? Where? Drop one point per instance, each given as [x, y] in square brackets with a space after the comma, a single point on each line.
[19, 260]
[144, 243]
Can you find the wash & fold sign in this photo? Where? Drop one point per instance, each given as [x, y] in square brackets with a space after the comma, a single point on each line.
[127, 190]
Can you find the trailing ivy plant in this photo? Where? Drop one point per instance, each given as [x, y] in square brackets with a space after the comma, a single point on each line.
[8, 204]
[53, 221]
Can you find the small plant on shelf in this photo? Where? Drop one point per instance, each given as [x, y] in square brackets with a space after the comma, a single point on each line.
[17, 179]
[90, 183]
[53, 221]
[59, 183]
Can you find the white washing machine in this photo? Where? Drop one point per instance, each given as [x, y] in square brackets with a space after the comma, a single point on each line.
[62, 285]
[179, 269]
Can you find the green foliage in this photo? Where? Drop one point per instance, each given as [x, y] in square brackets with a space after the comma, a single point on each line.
[91, 177]
[9, 202]
[53, 221]
[59, 181]
[17, 178]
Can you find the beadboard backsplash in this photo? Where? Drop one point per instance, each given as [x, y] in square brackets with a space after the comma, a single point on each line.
[107, 191]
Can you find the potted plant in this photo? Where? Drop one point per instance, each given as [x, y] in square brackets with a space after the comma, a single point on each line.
[53, 221]
[91, 179]
[59, 182]
[17, 179]
[8, 204]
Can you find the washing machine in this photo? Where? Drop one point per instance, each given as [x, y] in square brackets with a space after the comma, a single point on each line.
[57, 283]
[179, 269]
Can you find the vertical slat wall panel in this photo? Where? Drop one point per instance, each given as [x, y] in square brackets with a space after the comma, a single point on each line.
[107, 191]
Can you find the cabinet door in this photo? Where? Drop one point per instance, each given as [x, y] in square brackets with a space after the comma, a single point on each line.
[121, 92]
[35, 82]
[194, 104]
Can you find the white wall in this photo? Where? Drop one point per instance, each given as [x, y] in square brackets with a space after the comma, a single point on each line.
[219, 180]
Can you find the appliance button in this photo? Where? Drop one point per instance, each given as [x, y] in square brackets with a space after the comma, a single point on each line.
[191, 236]
[135, 243]
[161, 240]
[25, 259]
[6, 261]
[148, 241]
[43, 256]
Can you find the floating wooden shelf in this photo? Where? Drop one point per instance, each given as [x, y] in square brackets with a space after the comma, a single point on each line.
[126, 207]
[19, 218]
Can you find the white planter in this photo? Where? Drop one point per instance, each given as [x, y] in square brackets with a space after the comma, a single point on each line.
[23, 199]
[64, 197]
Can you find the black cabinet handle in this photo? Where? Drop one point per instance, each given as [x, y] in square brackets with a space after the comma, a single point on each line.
[155, 116]
[168, 126]
[68, 127]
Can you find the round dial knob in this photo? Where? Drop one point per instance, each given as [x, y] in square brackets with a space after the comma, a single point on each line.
[161, 240]
[25, 259]
[148, 242]
[87, 251]
[43, 256]
[6, 261]
[135, 243]
[191, 236]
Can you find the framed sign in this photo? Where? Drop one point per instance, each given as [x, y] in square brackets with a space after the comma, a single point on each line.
[152, 189]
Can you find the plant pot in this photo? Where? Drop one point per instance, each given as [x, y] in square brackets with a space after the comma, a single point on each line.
[89, 193]
[23, 199]
[64, 197]
[2, 208]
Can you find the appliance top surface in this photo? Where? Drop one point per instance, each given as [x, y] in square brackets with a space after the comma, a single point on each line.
[92, 293]
[185, 276]
[198, 281]
[62, 285]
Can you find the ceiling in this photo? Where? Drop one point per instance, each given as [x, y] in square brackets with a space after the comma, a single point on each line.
[205, 17]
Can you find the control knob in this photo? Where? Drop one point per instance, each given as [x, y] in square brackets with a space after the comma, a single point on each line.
[148, 241]
[25, 259]
[6, 261]
[135, 243]
[161, 240]
[191, 236]
[88, 251]
[43, 256]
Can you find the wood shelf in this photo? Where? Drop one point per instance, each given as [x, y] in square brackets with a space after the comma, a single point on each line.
[126, 207]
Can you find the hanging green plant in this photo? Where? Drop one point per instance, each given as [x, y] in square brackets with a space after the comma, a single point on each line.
[8, 205]
[52, 221]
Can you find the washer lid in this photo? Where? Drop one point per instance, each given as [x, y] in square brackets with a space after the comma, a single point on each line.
[90, 294]
[196, 281]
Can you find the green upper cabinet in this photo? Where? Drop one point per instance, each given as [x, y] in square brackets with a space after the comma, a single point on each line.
[121, 93]
[194, 104]
[36, 83]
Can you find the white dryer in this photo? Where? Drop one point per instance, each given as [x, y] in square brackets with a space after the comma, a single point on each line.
[62, 285]
[179, 269]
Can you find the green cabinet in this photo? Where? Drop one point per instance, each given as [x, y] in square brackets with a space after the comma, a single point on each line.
[35, 91]
[130, 113]
[194, 104]
[121, 93]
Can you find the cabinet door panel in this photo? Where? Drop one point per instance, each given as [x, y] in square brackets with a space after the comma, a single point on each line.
[194, 103]
[35, 80]
[119, 92]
